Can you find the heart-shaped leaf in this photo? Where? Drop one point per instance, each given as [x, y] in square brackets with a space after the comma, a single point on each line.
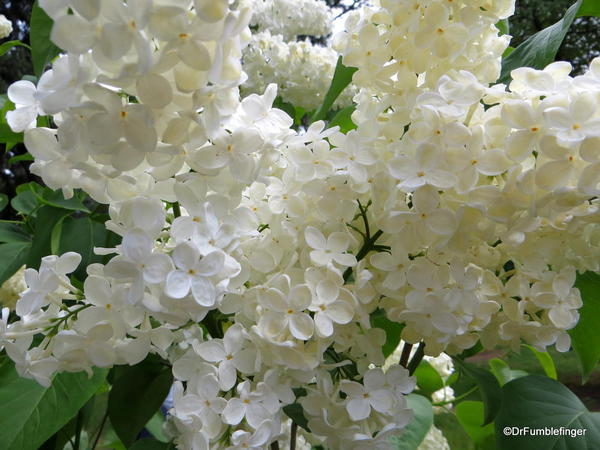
[470, 416]
[415, 431]
[428, 379]
[489, 387]
[585, 336]
[503, 372]
[31, 413]
[539, 402]
[138, 392]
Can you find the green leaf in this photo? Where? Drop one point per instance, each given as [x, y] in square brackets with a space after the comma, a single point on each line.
[508, 51]
[503, 372]
[300, 113]
[33, 79]
[453, 378]
[3, 201]
[488, 386]
[31, 413]
[95, 410]
[6, 106]
[503, 27]
[545, 361]
[428, 379]
[11, 232]
[59, 440]
[415, 431]
[138, 392]
[8, 135]
[393, 330]
[585, 337]
[343, 119]
[19, 158]
[77, 235]
[472, 351]
[31, 186]
[342, 77]
[25, 203]
[103, 238]
[81, 235]
[12, 256]
[30, 196]
[470, 416]
[540, 49]
[43, 121]
[589, 8]
[149, 444]
[155, 427]
[43, 51]
[286, 107]
[538, 402]
[9, 45]
[55, 236]
[47, 217]
[88, 419]
[56, 198]
[296, 413]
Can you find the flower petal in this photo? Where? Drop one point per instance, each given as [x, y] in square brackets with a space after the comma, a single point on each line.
[314, 238]
[178, 284]
[301, 326]
[73, 34]
[358, 408]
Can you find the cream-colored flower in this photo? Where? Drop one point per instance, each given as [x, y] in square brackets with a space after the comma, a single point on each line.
[11, 289]
[5, 27]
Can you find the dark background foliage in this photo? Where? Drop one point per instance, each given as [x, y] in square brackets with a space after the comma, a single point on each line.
[581, 44]
[13, 66]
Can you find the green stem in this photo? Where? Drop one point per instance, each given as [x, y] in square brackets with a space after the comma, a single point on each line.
[213, 324]
[337, 358]
[358, 230]
[460, 397]
[293, 434]
[366, 248]
[176, 210]
[187, 325]
[363, 213]
[417, 358]
[100, 430]
[78, 426]
[62, 321]
[405, 354]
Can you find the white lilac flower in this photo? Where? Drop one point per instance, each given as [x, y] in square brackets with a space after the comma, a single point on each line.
[253, 255]
[5, 27]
